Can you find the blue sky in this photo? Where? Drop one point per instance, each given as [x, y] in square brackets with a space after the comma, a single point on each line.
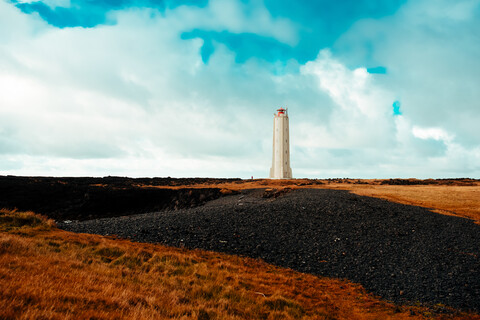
[375, 89]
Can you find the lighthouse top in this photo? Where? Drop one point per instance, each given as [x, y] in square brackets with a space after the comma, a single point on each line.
[281, 111]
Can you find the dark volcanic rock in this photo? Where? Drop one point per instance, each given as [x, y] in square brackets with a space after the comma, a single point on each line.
[87, 198]
[399, 252]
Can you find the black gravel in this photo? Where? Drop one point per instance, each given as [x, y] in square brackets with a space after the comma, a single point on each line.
[402, 253]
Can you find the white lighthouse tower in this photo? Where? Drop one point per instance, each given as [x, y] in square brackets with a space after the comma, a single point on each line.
[281, 147]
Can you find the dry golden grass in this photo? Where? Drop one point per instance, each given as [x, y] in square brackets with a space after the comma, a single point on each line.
[451, 199]
[47, 273]
[462, 201]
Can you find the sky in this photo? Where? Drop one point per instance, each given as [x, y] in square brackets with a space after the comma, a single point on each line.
[146, 88]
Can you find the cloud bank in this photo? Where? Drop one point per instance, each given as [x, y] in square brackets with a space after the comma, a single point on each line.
[189, 90]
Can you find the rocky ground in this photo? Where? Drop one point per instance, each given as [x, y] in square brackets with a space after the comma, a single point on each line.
[87, 198]
[401, 253]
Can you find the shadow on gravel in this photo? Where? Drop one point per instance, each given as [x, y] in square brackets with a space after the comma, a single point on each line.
[402, 253]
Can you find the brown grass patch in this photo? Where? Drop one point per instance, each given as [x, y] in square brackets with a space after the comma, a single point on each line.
[463, 201]
[11, 219]
[46, 273]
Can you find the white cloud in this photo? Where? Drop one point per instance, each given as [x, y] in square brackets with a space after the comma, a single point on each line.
[441, 10]
[362, 117]
[134, 99]
[111, 96]
[363, 138]
[51, 3]
[431, 133]
[237, 17]
[431, 53]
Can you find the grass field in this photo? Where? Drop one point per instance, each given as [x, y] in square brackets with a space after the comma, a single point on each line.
[463, 201]
[47, 273]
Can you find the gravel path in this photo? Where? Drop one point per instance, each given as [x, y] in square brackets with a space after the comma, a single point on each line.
[401, 253]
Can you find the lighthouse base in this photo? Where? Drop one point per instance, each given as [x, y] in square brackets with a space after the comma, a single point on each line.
[280, 174]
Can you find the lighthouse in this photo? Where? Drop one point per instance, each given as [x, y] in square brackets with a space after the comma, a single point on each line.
[281, 147]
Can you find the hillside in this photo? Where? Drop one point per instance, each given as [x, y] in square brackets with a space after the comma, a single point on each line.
[51, 273]
[402, 253]
[46, 273]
